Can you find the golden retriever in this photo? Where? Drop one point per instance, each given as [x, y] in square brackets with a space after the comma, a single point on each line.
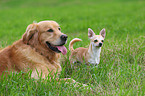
[38, 50]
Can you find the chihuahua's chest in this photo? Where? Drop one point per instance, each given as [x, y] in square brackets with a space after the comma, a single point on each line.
[94, 56]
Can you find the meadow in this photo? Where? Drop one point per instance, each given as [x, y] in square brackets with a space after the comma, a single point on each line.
[121, 71]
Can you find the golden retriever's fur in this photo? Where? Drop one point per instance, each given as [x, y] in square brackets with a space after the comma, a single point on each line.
[32, 51]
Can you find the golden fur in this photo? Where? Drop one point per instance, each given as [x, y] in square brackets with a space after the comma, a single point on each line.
[32, 52]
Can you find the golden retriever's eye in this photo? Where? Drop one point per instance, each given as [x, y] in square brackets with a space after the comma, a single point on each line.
[102, 40]
[59, 28]
[95, 40]
[50, 30]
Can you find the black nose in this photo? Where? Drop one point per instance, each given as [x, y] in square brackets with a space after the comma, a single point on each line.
[63, 37]
[100, 44]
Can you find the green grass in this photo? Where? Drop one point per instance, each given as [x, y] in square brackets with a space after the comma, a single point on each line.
[122, 67]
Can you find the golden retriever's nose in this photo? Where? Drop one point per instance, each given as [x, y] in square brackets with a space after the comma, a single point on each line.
[63, 37]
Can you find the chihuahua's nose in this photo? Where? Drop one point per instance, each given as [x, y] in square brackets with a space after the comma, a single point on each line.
[63, 37]
[100, 44]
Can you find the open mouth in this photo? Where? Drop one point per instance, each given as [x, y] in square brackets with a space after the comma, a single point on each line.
[58, 48]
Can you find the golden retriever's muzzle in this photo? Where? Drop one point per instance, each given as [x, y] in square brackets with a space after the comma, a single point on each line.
[63, 39]
[53, 47]
[59, 48]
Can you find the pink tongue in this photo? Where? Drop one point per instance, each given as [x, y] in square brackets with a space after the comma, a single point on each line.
[62, 49]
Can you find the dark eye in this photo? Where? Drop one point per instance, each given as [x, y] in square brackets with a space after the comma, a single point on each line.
[95, 40]
[50, 30]
[102, 40]
[59, 28]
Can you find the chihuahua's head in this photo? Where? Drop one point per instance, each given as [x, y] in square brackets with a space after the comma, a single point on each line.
[96, 40]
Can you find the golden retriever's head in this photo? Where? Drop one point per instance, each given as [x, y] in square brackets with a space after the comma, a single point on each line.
[48, 34]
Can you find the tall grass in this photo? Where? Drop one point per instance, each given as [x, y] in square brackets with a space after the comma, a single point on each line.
[122, 67]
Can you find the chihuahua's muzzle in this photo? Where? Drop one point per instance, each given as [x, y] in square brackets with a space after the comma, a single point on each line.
[100, 44]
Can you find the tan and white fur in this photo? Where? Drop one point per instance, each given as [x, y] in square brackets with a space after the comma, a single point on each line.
[89, 55]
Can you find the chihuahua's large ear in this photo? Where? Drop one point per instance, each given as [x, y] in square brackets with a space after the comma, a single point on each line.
[30, 31]
[103, 33]
[90, 33]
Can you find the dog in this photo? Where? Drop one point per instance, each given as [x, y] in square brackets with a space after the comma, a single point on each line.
[90, 55]
[38, 50]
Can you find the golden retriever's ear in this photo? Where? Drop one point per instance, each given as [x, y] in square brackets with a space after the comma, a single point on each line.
[30, 31]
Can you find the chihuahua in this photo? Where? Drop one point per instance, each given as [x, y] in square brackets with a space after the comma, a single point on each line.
[90, 55]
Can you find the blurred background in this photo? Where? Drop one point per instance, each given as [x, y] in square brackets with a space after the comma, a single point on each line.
[119, 17]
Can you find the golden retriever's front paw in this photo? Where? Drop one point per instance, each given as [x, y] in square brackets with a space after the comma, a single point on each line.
[82, 86]
[69, 80]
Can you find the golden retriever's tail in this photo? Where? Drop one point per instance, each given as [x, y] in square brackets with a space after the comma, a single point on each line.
[72, 42]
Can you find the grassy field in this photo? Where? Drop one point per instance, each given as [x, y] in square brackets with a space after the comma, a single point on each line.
[121, 70]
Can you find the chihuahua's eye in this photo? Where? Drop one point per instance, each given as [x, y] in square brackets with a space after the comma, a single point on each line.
[50, 30]
[59, 28]
[102, 40]
[95, 40]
